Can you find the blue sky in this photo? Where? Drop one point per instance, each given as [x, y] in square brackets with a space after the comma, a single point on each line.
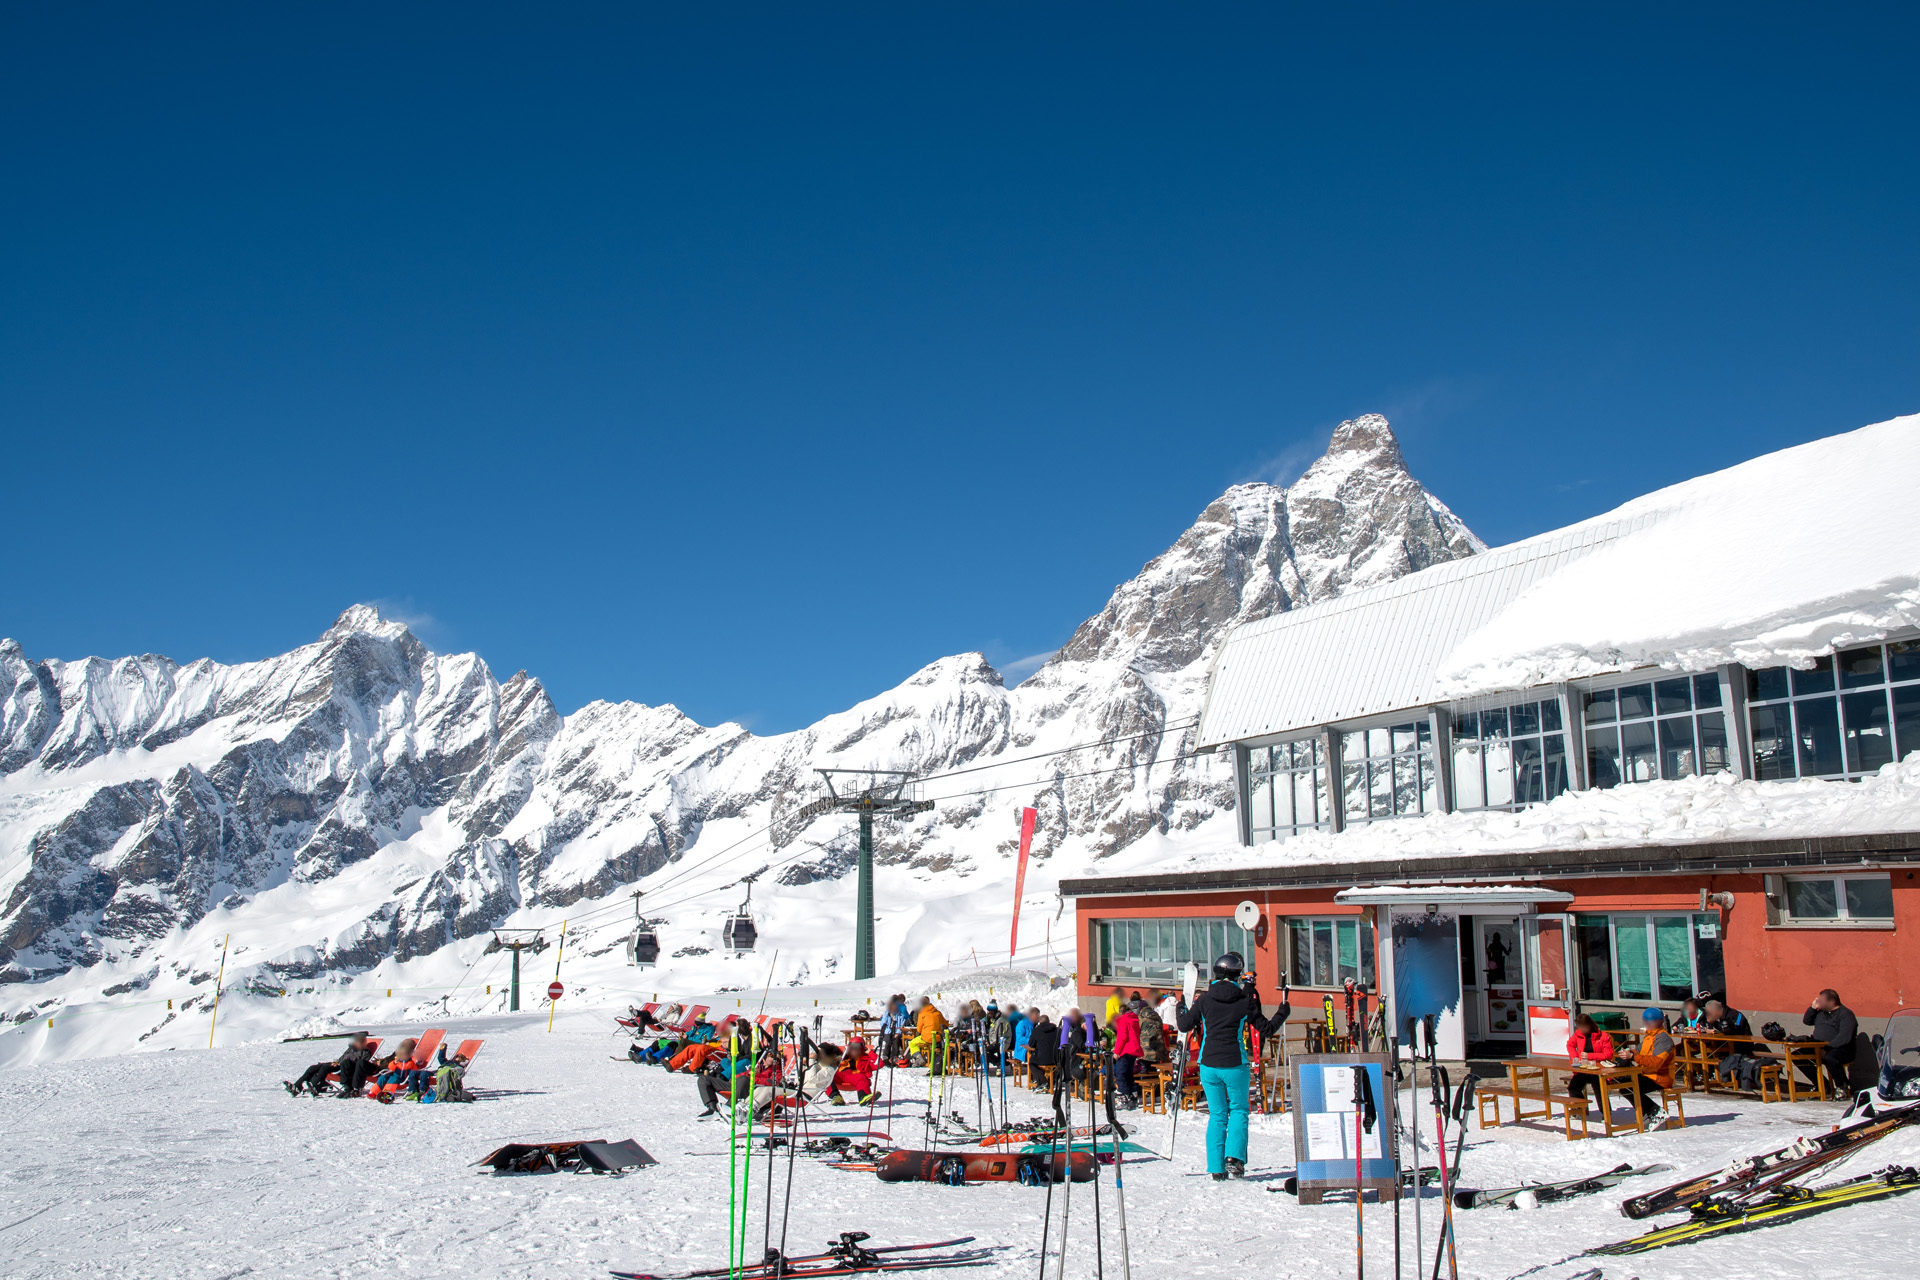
[749, 359]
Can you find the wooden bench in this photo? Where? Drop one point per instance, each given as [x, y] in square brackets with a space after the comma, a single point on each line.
[1489, 1095]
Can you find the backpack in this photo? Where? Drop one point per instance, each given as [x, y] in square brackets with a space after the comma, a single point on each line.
[1153, 1034]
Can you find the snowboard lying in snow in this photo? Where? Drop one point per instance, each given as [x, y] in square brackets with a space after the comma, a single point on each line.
[586, 1155]
[958, 1167]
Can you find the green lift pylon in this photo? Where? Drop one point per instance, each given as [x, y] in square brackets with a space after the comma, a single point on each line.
[865, 792]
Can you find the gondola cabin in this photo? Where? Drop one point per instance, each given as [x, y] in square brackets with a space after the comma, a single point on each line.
[643, 948]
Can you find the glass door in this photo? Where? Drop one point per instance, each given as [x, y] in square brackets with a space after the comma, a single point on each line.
[1547, 951]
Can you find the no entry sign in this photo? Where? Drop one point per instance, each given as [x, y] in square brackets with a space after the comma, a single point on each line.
[555, 990]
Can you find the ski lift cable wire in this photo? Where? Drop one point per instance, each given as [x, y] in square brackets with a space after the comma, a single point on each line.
[681, 874]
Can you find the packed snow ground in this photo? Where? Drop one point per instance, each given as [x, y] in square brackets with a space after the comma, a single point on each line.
[197, 1163]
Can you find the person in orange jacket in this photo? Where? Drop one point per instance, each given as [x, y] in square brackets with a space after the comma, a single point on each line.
[930, 1025]
[1654, 1056]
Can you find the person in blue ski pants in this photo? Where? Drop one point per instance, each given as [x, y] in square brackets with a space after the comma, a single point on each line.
[1221, 1014]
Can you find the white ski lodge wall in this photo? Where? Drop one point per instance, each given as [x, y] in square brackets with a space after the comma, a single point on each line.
[1661, 752]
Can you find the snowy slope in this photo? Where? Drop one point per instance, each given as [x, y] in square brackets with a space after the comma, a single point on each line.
[141, 1171]
[357, 814]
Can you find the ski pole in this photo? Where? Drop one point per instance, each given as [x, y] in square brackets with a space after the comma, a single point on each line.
[1093, 1144]
[1064, 1115]
[733, 1144]
[1359, 1174]
[786, 1206]
[1444, 1246]
[1053, 1148]
[1413, 1113]
[1393, 1061]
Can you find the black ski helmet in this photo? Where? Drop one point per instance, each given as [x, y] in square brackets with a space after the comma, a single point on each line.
[1229, 967]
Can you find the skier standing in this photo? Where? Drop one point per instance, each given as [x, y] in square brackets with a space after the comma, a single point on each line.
[1221, 1014]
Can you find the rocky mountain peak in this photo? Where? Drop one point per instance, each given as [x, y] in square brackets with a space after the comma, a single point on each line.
[364, 619]
[1355, 517]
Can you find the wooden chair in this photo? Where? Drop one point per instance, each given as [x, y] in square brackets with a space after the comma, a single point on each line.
[1153, 1092]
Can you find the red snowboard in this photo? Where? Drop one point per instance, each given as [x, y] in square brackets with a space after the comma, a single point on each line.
[981, 1166]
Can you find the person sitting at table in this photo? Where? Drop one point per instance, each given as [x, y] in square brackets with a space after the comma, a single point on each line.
[1739, 1064]
[1691, 1019]
[1654, 1056]
[1834, 1026]
[1588, 1045]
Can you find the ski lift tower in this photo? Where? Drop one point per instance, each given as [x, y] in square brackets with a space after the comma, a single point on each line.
[865, 792]
[516, 941]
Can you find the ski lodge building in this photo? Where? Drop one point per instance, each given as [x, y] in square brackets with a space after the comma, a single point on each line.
[1653, 754]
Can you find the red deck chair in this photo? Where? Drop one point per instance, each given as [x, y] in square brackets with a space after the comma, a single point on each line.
[693, 1016]
[422, 1052]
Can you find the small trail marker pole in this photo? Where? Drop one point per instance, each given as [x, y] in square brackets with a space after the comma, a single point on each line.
[554, 1001]
[217, 983]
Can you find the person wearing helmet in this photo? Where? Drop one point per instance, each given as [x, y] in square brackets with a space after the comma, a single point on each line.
[1221, 1014]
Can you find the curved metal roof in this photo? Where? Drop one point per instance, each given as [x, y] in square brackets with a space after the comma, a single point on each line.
[1377, 651]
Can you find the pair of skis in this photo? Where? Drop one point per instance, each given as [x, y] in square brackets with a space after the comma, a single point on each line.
[846, 1256]
[1554, 1192]
[1758, 1175]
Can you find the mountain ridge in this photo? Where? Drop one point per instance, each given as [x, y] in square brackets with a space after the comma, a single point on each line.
[363, 802]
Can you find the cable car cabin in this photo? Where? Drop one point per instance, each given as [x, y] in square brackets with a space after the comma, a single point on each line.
[643, 948]
[738, 934]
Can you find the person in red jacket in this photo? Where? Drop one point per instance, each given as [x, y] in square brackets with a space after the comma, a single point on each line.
[1126, 1054]
[1588, 1045]
[855, 1075]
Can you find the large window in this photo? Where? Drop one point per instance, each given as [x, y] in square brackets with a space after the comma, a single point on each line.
[1663, 729]
[1286, 789]
[1661, 959]
[1509, 756]
[1325, 953]
[1815, 899]
[1388, 773]
[1845, 717]
[1156, 952]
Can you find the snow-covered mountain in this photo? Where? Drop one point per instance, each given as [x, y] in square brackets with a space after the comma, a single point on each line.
[359, 812]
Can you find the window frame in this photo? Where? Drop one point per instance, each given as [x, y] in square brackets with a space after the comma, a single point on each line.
[1379, 772]
[1102, 947]
[1367, 942]
[1320, 785]
[1844, 700]
[1780, 901]
[1585, 920]
[1478, 744]
[1654, 723]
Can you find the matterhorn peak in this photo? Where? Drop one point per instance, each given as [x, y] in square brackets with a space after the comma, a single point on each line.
[364, 619]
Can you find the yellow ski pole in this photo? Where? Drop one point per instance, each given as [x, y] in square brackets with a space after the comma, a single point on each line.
[217, 983]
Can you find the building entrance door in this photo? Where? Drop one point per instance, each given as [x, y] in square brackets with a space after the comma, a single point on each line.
[1547, 948]
[1502, 996]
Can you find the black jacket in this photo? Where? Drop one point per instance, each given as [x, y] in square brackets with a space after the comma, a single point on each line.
[352, 1054]
[1222, 1012]
[1836, 1028]
[1043, 1047]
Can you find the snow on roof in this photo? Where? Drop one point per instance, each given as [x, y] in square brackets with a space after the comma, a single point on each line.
[1772, 562]
[1716, 807]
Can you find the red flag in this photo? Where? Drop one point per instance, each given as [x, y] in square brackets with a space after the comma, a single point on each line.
[1027, 818]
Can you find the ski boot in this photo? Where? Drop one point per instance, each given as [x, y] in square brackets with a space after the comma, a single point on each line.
[1235, 1168]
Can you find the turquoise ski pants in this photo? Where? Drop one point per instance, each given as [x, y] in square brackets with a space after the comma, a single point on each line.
[1226, 1090]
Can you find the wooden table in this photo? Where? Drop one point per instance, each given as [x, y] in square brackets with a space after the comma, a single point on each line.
[1523, 1072]
[1696, 1051]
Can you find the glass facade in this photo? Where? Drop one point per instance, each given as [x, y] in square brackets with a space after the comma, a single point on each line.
[1286, 789]
[1662, 729]
[1509, 756]
[1388, 773]
[1326, 952]
[1846, 717]
[1659, 959]
[1156, 952]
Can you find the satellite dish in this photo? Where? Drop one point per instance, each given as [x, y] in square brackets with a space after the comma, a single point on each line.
[1247, 915]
